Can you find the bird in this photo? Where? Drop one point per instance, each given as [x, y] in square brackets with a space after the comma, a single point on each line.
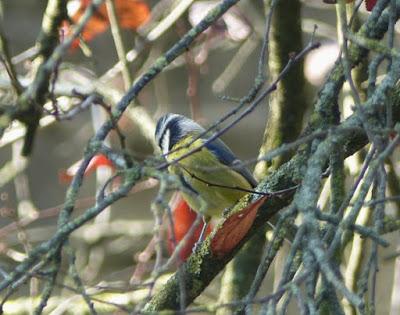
[214, 179]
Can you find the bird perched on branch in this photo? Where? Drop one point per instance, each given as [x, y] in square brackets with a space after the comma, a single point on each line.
[208, 171]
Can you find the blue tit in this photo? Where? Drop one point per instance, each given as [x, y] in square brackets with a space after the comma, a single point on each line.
[212, 174]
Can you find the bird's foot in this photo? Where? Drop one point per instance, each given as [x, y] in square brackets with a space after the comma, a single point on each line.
[202, 235]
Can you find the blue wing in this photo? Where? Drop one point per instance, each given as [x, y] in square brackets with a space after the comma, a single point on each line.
[227, 157]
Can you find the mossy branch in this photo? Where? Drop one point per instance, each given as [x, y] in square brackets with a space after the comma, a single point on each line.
[202, 266]
[66, 226]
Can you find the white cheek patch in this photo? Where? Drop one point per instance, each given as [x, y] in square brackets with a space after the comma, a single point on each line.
[165, 141]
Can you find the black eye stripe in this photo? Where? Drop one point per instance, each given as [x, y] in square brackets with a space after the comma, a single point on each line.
[162, 136]
[162, 126]
[170, 124]
[174, 131]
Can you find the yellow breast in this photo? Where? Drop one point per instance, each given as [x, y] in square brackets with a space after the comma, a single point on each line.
[215, 183]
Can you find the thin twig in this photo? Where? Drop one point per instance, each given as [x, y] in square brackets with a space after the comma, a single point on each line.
[119, 43]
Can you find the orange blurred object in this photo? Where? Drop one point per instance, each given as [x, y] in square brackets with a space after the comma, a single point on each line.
[183, 217]
[65, 176]
[131, 14]
[234, 229]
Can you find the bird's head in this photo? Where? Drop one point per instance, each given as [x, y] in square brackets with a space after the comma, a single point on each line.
[171, 128]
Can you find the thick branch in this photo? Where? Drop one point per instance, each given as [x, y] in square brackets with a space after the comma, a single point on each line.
[202, 267]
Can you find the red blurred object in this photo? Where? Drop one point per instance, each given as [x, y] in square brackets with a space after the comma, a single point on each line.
[183, 217]
[65, 176]
[392, 135]
[234, 229]
[369, 4]
[131, 14]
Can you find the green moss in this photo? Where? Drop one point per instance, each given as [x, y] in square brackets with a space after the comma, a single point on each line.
[160, 63]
